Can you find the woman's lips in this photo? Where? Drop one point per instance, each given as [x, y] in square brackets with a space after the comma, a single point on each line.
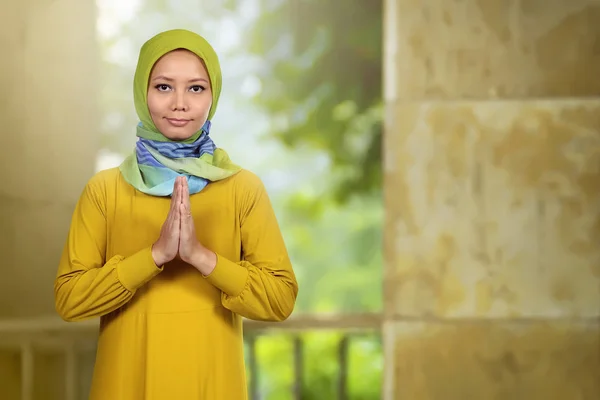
[178, 122]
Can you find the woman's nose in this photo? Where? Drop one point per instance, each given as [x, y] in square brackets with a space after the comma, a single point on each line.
[179, 102]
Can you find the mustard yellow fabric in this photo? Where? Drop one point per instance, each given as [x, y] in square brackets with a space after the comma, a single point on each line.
[169, 333]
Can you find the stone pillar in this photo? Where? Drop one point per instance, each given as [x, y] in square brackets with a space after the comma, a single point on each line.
[49, 137]
[49, 133]
[492, 194]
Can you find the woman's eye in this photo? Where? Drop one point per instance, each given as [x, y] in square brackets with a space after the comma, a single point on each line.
[162, 87]
[196, 89]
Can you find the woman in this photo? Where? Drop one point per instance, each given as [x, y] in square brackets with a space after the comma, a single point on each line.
[175, 246]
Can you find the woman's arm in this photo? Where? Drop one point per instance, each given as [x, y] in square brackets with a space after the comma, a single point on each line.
[263, 286]
[85, 285]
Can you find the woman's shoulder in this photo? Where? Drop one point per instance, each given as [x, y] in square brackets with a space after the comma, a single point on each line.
[248, 182]
[248, 178]
[104, 176]
[103, 180]
[249, 191]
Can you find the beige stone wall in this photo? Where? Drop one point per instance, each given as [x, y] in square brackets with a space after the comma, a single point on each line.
[48, 130]
[49, 140]
[492, 193]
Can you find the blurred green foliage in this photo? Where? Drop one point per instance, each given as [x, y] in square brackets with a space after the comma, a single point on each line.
[337, 255]
[275, 379]
[322, 83]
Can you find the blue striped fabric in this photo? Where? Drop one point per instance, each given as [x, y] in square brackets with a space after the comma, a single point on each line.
[202, 145]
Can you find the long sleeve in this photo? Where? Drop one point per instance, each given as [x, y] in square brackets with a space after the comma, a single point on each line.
[263, 285]
[86, 285]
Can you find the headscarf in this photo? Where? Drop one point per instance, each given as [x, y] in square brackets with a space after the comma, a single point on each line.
[157, 161]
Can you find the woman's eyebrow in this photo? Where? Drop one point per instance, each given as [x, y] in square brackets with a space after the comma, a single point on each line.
[166, 78]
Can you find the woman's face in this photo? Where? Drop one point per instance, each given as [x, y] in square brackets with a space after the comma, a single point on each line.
[179, 95]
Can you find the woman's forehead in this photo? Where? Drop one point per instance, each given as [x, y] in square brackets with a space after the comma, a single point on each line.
[180, 62]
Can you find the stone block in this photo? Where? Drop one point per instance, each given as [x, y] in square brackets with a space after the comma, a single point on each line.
[493, 209]
[496, 360]
[491, 49]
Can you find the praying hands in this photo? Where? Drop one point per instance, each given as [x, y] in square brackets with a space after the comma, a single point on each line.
[178, 234]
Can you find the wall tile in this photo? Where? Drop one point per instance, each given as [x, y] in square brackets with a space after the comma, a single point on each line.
[492, 49]
[496, 360]
[493, 209]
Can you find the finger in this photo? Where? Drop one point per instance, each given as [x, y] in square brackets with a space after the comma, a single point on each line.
[172, 205]
[182, 187]
[178, 199]
[183, 223]
[174, 197]
[180, 190]
[177, 219]
[187, 223]
[178, 185]
[186, 194]
[183, 211]
[184, 228]
[173, 225]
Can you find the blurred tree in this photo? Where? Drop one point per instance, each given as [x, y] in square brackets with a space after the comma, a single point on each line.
[321, 369]
[322, 81]
[337, 258]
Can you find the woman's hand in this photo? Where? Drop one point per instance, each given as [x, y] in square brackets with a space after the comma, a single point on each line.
[191, 250]
[166, 247]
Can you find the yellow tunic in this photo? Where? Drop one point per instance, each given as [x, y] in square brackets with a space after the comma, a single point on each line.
[169, 333]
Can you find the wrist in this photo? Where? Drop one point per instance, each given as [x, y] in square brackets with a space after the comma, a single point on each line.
[204, 260]
[158, 257]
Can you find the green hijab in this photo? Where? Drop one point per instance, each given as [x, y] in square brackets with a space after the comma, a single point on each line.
[158, 176]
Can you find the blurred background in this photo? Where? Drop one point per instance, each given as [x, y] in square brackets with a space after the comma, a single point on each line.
[434, 167]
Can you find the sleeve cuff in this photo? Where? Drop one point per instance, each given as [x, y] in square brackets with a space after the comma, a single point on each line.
[138, 269]
[228, 277]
